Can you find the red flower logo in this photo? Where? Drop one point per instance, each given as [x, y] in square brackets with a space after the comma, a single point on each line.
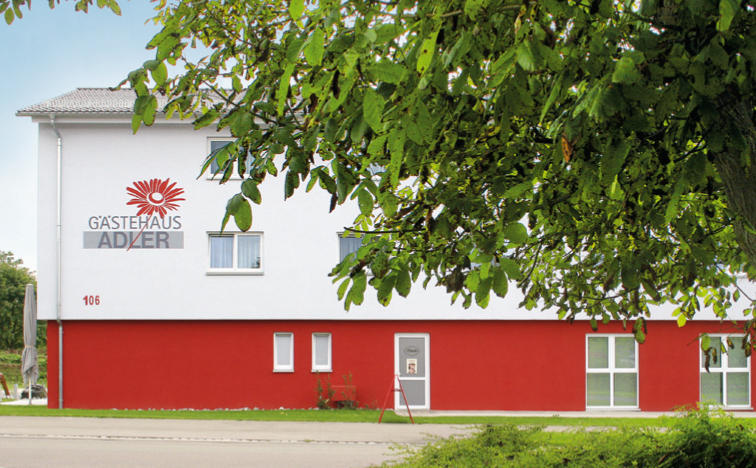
[155, 196]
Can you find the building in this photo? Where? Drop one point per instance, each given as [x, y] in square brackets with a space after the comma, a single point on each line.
[150, 306]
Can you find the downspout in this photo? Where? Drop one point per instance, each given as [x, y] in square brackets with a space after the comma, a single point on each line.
[58, 241]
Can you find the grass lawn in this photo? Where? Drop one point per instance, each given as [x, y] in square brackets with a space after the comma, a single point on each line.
[360, 415]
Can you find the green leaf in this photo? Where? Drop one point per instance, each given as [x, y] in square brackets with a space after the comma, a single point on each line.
[372, 109]
[136, 120]
[250, 190]
[243, 216]
[283, 88]
[612, 161]
[233, 204]
[615, 190]
[673, 206]
[343, 288]
[159, 74]
[206, 119]
[525, 57]
[516, 232]
[681, 320]
[500, 282]
[375, 148]
[510, 267]
[357, 293]
[396, 149]
[150, 107]
[365, 201]
[291, 181]
[384, 289]
[328, 182]
[556, 90]
[388, 203]
[241, 123]
[727, 10]
[630, 276]
[640, 336]
[9, 16]
[236, 83]
[427, 49]
[296, 8]
[403, 282]
[313, 51]
[625, 71]
[705, 342]
[483, 293]
[388, 72]
[239, 208]
[370, 35]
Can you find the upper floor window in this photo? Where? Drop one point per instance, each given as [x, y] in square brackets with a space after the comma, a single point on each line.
[216, 145]
[611, 371]
[727, 381]
[348, 244]
[235, 253]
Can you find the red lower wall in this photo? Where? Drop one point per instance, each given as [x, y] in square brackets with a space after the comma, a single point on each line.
[474, 365]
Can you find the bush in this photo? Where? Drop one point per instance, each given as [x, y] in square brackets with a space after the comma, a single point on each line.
[695, 439]
[494, 445]
[703, 439]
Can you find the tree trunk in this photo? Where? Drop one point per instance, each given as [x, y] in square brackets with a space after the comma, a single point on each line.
[740, 179]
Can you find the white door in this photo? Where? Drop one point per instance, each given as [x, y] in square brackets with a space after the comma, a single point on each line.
[412, 365]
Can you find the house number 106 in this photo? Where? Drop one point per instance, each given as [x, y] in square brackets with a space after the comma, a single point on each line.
[91, 300]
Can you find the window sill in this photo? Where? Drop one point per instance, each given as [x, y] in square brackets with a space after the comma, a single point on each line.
[731, 408]
[612, 408]
[283, 371]
[322, 371]
[222, 272]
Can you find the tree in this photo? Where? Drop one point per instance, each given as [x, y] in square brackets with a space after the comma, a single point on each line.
[13, 280]
[11, 9]
[597, 154]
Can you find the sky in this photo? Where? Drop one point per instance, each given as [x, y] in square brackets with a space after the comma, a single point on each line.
[45, 54]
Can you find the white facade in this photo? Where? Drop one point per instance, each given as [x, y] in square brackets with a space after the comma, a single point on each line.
[101, 158]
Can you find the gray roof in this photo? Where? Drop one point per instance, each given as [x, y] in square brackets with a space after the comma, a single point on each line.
[88, 101]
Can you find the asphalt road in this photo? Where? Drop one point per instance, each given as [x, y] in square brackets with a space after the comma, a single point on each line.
[84, 442]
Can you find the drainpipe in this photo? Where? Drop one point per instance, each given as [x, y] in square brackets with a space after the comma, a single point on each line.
[58, 241]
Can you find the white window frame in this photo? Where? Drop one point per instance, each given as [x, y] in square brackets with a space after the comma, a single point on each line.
[276, 366]
[322, 367]
[725, 369]
[235, 270]
[210, 175]
[612, 370]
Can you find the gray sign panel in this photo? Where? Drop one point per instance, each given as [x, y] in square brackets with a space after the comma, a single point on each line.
[134, 240]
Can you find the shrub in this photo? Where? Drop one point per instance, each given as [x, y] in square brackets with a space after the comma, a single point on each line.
[697, 439]
[703, 439]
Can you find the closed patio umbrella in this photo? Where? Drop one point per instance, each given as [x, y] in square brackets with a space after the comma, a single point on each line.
[29, 356]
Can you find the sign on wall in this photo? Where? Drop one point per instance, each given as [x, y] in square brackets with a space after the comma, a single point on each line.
[151, 227]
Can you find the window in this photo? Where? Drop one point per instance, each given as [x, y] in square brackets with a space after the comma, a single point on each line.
[235, 253]
[216, 145]
[321, 352]
[348, 244]
[283, 352]
[727, 381]
[611, 371]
